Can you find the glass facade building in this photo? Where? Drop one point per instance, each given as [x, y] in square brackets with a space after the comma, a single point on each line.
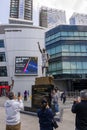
[67, 47]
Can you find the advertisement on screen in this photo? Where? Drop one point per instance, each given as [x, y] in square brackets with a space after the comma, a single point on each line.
[26, 65]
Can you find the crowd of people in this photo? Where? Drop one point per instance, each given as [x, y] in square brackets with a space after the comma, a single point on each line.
[46, 112]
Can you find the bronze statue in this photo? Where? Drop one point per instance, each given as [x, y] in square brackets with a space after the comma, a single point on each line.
[45, 58]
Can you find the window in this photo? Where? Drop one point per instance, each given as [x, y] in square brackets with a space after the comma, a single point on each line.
[73, 71]
[63, 33]
[66, 65]
[76, 34]
[85, 33]
[2, 56]
[66, 71]
[84, 65]
[3, 83]
[65, 48]
[65, 54]
[70, 34]
[59, 65]
[53, 67]
[73, 65]
[52, 51]
[58, 49]
[79, 65]
[72, 48]
[77, 48]
[83, 48]
[81, 34]
[3, 71]
[1, 43]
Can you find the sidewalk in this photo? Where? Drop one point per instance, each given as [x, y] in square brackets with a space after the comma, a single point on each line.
[30, 122]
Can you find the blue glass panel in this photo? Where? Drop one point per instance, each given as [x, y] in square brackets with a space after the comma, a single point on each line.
[1, 43]
[65, 48]
[84, 65]
[83, 48]
[58, 49]
[72, 48]
[73, 65]
[66, 65]
[79, 65]
[77, 48]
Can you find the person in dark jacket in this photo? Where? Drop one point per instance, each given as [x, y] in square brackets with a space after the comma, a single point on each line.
[63, 97]
[79, 107]
[45, 115]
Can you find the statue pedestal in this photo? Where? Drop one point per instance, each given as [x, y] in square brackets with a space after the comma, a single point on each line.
[42, 89]
[44, 81]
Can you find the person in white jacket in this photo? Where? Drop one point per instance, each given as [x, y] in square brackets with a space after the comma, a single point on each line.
[12, 109]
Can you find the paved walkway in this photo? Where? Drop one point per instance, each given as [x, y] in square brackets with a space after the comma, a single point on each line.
[30, 122]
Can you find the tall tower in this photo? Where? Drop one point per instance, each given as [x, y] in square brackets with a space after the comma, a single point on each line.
[78, 19]
[21, 12]
[49, 17]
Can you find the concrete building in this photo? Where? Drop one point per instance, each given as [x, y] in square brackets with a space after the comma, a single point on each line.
[78, 19]
[67, 46]
[49, 17]
[20, 59]
[21, 12]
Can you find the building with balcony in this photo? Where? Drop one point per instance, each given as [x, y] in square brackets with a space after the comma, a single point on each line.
[67, 47]
[21, 12]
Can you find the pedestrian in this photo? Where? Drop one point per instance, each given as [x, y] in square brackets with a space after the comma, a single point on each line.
[45, 115]
[12, 109]
[54, 101]
[79, 107]
[25, 95]
[63, 97]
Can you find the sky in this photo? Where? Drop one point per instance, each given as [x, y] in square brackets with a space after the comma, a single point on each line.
[70, 6]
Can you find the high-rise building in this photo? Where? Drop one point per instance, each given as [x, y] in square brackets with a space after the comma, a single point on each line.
[21, 11]
[49, 17]
[78, 19]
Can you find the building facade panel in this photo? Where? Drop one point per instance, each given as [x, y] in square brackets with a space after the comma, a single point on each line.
[20, 48]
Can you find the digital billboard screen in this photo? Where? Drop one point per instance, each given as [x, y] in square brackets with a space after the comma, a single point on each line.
[26, 65]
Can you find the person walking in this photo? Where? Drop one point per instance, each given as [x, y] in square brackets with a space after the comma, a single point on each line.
[25, 95]
[45, 116]
[63, 97]
[79, 107]
[12, 109]
[54, 101]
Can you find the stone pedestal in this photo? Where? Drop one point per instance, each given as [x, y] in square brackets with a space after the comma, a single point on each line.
[44, 81]
[42, 89]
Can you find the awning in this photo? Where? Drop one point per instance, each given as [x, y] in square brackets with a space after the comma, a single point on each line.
[7, 87]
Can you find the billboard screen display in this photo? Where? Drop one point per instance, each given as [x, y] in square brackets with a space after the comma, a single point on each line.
[26, 65]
